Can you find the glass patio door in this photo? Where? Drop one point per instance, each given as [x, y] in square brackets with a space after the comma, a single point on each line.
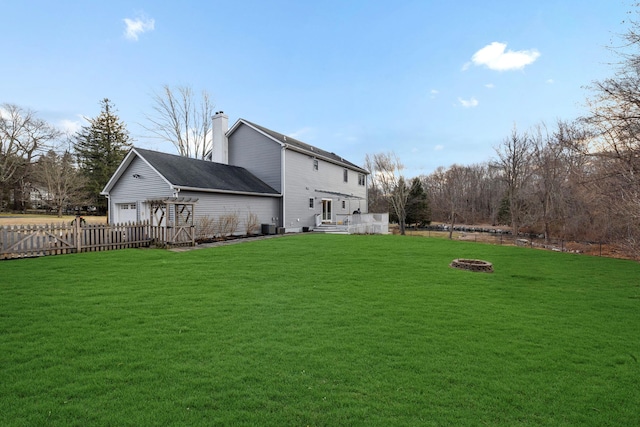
[326, 210]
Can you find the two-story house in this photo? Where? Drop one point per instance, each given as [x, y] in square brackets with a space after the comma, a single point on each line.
[251, 170]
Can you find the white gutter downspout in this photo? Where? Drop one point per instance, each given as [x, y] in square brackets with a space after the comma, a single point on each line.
[366, 192]
[283, 176]
[109, 210]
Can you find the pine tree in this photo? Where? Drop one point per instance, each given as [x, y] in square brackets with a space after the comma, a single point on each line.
[504, 213]
[418, 210]
[99, 148]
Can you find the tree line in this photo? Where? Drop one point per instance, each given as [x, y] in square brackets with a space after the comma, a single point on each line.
[561, 182]
[42, 167]
[574, 180]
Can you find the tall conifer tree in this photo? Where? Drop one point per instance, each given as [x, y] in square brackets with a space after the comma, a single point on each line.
[99, 148]
[418, 210]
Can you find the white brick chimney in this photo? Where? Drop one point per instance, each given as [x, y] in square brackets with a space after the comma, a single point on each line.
[220, 144]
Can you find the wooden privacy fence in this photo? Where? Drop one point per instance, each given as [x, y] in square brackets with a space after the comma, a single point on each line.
[21, 241]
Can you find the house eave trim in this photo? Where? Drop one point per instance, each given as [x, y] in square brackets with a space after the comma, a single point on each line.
[215, 190]
[326, 159]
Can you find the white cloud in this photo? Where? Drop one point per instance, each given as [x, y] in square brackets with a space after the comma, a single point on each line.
[70, 126]
[135, 27]
[434, 93]
[550, 81]
[438, 147]
[468, 103]
[489, 85]
[495, 57]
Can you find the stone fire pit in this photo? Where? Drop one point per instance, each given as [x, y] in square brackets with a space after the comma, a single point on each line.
[476, 265]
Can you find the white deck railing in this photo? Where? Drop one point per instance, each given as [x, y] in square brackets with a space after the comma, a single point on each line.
[370, 223]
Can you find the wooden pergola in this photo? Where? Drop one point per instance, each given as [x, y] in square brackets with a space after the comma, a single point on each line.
[172, 220]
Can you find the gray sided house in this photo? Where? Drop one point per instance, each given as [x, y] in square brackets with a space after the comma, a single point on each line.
[251, 170]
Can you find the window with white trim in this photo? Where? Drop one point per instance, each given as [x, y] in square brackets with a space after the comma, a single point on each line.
[315, 164]
[345, 175]
[311, 202]
[361, 179]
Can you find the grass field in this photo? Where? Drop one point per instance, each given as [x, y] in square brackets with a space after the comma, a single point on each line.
[320, 330]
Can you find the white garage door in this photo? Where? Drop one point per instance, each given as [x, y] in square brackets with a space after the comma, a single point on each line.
[126, 212]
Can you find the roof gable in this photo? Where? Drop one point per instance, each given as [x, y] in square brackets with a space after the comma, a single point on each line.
[292, 143]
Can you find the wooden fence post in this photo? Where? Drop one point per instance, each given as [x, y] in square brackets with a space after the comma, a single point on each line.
[78, 232]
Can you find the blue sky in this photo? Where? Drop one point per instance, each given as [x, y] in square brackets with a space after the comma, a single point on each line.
[436, 82]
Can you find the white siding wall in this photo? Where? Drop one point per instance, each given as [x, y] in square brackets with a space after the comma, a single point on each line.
[136, 190]
[150, 185]
[303, 183]
[213, 205]
[256, 153]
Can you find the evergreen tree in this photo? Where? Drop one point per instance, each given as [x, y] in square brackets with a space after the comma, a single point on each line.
[99, 148]
[504, 213]
[418, 210]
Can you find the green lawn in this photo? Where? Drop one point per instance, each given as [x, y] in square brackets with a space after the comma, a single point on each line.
[320, 330]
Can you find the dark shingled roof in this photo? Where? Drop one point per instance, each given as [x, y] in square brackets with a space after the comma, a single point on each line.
[187, 172]
[310, 149]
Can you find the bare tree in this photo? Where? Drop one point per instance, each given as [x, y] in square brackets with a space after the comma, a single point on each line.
[10, 153]
[22, 137]
[183, 120]
[456, 179]
[377, 201]
[60, 182]
[386, 171]
[492, 192]
[449, 193]
[548, 179]
[514, 160]
[472, 192]
[434, 185]
[614, 121]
